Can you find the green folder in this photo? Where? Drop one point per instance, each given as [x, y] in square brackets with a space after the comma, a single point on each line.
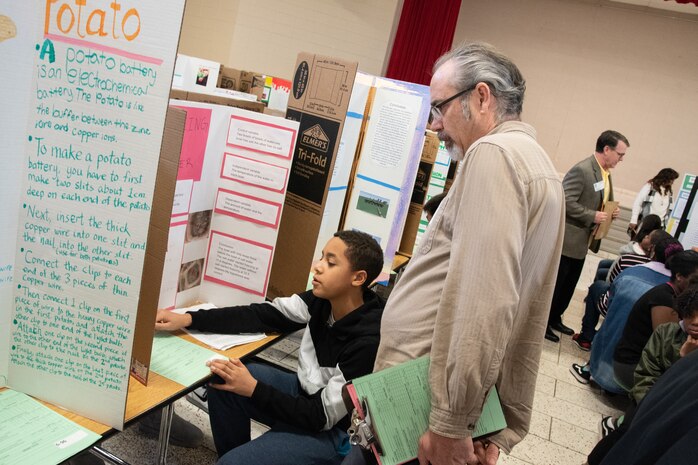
[399, 402]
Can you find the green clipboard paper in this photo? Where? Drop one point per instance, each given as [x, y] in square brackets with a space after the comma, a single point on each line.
[31, 433]
[399, 401]
[181, 361]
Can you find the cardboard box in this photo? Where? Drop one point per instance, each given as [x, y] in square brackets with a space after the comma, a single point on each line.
[419, 192]
[229, 78]
[246, 78]
[236, 79]
[217, 99]
[319, 99]
[156, 245]
[259, 87]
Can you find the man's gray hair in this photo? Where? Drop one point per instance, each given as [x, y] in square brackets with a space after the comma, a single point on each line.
[481, 62]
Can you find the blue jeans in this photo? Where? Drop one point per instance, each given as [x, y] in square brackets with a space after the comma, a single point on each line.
[591, 311]
[356, 457]
[603, 269]
[283, 444]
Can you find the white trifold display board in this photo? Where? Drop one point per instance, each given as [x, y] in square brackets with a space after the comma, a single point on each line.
[84, 92]
[683, 213]
[387, 167]
[231, 188]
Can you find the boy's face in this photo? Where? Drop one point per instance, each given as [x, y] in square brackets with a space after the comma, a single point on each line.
[333, 275]
[690, 325]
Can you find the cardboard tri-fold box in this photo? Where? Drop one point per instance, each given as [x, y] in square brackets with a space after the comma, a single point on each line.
[419, 192]
[236, 79]
[319, 99]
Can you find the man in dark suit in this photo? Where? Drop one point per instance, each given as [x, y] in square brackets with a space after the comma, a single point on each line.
[587, 188]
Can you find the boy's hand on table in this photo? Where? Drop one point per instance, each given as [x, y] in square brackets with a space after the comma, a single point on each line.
[235, 375]
[167, 320]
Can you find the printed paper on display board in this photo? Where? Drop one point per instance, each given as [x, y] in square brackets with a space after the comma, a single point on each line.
[173, 263]
[91, 142]
[182, 198]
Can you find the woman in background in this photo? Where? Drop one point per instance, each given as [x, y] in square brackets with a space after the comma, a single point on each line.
[655, 197]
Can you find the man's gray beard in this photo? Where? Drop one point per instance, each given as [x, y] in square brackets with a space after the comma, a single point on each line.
[456, 153]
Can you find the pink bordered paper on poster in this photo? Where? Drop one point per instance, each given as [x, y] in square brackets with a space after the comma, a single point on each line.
[248, 208]
[238, 263]
[261, 137]
[254, 173]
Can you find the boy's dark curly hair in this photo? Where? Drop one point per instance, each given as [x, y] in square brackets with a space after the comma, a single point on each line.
[363, 253]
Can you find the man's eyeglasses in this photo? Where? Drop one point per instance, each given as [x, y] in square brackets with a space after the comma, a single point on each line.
[620, 155]
[437, 109]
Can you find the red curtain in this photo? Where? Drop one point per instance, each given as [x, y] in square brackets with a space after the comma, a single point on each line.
[424, 33]
[695, 2]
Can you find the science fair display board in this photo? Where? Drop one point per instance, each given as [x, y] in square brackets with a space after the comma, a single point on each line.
[84, 105]
[682, 223]
[231, 186]
[388, 162]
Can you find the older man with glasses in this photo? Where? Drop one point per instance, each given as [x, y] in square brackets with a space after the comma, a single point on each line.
[587, 187]
[476, 294]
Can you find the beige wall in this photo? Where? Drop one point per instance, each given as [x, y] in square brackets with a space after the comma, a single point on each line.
[207, 28]
[596, 65]
[267, 36]
[590, 64]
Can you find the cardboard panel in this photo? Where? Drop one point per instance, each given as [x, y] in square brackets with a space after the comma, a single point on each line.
[156, 246]
[319, 99]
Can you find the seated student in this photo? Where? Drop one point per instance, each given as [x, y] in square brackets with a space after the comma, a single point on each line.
[625, 291]
[596, 301]
[668, 343]
[664, 430]
[305, 412]
[649, 223]
[656, 307]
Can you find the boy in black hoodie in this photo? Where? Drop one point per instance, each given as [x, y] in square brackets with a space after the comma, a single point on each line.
[305, 412]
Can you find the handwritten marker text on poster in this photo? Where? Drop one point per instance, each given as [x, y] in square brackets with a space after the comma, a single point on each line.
[85, 194]
[81, 19]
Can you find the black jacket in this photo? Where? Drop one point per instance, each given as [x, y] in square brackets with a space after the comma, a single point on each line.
[329, 355]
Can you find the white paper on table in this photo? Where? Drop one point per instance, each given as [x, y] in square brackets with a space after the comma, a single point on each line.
[218, 341]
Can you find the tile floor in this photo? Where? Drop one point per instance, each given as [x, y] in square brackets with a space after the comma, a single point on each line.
[565, 422]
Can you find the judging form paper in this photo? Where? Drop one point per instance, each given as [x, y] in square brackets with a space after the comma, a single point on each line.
[399, 401]
[179, 360]
[31, 433]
